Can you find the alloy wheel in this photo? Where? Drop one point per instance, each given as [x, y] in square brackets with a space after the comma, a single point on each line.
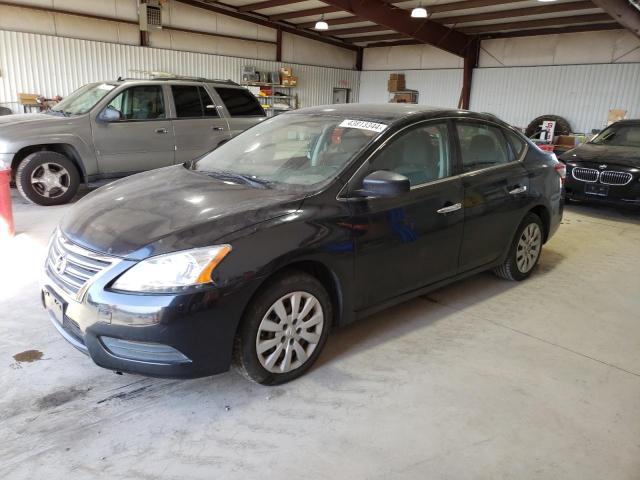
[529, 246]
[50, 180]
[289, 332]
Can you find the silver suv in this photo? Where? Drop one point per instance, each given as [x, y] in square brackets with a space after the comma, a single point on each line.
[112, 129]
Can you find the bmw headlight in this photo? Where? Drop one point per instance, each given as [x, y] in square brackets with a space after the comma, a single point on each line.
[173, 272]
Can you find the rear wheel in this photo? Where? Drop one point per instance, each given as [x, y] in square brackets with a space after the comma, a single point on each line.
[47, 178]
[525, 250]
[284, 329]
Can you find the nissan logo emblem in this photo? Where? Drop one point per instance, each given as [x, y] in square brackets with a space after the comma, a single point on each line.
[61, 264]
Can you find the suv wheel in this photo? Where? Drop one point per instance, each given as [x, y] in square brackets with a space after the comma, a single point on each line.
[47, 178]
[525, 250]
[284, 329]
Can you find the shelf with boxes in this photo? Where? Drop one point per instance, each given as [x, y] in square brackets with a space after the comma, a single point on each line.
[398, 91]
[275, 90]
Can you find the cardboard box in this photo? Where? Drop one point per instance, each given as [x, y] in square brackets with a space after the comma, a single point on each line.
[566, 140]
[286, 71]
[396, 85]
[28, 98]
[289, 81]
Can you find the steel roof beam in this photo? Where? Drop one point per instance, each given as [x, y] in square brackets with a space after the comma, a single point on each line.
[398, 20]
[622, 12]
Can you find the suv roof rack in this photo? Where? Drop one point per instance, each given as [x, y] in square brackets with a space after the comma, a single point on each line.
[177, 77]
[180, 77]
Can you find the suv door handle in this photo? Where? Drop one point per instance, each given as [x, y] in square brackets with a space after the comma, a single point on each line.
[518, 190]
[217, 129]
[451, 208]
[161, 130]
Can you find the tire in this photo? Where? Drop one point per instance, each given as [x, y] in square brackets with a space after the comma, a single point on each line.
[562, 125]
[281, 339]
[59, 178]
[522, 259]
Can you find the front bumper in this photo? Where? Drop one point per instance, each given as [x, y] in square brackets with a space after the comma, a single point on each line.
[179, 336]
[5, 160]
[628, 194]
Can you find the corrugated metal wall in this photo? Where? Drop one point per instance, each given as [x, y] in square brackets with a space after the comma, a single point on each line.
[32, 63]
[583, 94]
[438, 88]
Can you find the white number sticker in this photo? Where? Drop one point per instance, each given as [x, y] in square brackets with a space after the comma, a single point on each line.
[363, 125]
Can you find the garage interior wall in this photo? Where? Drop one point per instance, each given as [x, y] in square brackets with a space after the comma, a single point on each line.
[580, 76]
[53, 53]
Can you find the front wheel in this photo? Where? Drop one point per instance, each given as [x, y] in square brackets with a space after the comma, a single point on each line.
[47, 178]
[525, 250]
[283, 329]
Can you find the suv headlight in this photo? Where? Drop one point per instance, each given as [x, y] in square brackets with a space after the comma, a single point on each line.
[173, 272]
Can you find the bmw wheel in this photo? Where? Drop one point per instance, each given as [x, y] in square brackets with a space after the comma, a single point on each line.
[284, 329]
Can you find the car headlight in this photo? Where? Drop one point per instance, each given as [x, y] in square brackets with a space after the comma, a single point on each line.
[173, 272]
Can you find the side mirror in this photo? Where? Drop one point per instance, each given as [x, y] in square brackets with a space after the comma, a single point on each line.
[383, 183]
[109, 115]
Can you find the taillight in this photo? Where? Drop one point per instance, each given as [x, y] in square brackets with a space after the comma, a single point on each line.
[561, 169]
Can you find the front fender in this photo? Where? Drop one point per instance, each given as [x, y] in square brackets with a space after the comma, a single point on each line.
[262, 250]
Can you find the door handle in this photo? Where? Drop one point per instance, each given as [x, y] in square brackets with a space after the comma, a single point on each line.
[161, 130]
[518, 190]
[451, 208]
[217, 129]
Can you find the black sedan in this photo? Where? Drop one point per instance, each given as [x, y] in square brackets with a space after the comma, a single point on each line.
[305, 222]
[606, 169]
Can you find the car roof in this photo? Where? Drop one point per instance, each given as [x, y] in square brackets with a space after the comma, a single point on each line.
[392, 112]
[632, 121]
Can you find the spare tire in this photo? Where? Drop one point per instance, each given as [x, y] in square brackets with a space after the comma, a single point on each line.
[562, 126]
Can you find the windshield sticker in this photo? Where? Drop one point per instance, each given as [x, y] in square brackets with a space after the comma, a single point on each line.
[363, 125]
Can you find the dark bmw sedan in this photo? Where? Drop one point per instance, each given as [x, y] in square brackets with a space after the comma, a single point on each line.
[606, 169]
[308, 221]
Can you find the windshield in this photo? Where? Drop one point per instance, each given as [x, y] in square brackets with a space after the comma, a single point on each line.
[83, 99]
[619, 136]
[292, 151]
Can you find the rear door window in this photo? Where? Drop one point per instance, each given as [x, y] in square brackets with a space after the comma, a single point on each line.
[482, 146]
[240, 102]
[187, 101]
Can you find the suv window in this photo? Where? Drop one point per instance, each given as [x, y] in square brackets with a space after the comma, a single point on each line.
[481, 146]
[517, 143]
[240, 102]
[142, 102]
[421, 154]
[193, 101]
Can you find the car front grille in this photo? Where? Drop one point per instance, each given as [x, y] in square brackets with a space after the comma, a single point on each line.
[585, 174]
[615, 178]
[71, 266]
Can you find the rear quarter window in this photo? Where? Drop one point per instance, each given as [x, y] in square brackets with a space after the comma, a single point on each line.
[517, 143]
[240, 102]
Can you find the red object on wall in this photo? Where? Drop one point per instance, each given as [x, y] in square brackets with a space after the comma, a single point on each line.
[7, 228]
[547, 148]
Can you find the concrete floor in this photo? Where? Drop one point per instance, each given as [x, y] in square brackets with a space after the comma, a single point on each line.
[484, 379]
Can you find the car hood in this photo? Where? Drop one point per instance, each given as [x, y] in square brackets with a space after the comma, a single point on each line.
[167, 210]
[589, 152]
[22, 118]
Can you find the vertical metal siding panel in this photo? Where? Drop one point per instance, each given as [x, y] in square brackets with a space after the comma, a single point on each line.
[55, 65]
[583, 94]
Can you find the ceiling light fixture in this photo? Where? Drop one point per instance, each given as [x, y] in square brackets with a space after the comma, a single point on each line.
[321, 24]
[419, 12]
